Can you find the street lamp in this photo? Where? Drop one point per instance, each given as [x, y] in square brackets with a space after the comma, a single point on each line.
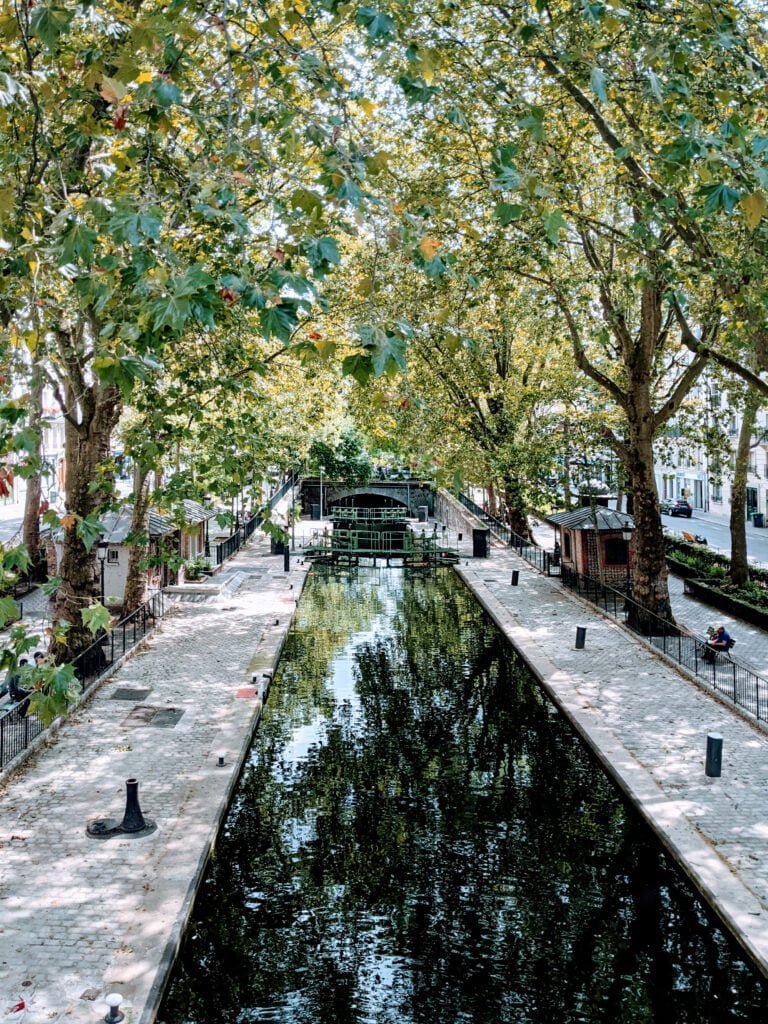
[101, 552]
[322, 470]
[627, 537]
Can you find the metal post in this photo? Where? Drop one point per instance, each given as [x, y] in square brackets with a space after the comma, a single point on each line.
[321, 491]
[581, 633]
[714, 759]
[515, 577]
[286, 557]
[133, 819]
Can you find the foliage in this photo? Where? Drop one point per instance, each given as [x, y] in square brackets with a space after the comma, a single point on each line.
[195, 568]
[345, 462]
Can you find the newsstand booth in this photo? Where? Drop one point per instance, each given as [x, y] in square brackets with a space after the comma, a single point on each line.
[596, 542]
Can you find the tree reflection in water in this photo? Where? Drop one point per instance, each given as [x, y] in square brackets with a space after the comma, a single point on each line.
[419, 837]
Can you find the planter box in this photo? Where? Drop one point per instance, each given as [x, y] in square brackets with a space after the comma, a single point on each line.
[682, 569]
[727, 603]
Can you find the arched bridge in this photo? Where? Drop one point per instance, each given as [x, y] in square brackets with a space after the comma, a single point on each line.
[409, 494]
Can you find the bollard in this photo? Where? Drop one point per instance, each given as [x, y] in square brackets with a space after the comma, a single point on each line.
[460, 537]
[581, 633]
[133, 819]
[714, 755]
[286, 559]
[515, 577]
[115, 1014]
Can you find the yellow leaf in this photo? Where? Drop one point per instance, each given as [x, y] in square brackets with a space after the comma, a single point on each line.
[754, 207]
[428, 247]
[368, 106]
[33, 267]
[145, 76]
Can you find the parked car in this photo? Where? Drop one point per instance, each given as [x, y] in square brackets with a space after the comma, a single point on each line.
[665, 504]
[681, 507]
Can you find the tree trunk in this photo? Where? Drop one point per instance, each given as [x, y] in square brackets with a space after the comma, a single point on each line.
[516, 513]
[650, 575]
[133, 595]
[31, 528]
[739, 563]
[87, 449]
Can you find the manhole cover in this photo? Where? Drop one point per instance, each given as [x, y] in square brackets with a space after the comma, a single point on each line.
[126, 693]
[145, 714]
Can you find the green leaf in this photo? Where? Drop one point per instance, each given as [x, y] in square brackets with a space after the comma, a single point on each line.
[170, 311]
[51, 585]
[359, 366]
[78, 242]
[9, 611]
[277, 322]
[554, 223]
[597, 82]
[165, 93]
[48, 23]
[507, 212]
[379, 25]
[720, 197]
[95, 618]
[534, 123]
[89, 530]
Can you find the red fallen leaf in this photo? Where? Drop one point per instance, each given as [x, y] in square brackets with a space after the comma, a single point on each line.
[279, 255]
[314, 335]
[21, 1005]
[228, 295]
[118, 121]
[21, 839]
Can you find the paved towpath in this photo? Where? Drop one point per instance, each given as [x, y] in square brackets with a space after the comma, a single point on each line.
[649, 725]
[79, 917]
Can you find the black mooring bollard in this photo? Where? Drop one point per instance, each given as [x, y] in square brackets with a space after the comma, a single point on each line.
[515, 577]
[460, 537]
[286, 559]
[581, 634]
[133, 819]
[714, 762]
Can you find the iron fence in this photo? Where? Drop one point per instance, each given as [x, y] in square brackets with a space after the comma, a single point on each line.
[499, 529]
[721, 671]
[19, 726]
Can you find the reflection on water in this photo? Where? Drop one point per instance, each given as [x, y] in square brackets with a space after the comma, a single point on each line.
[419, 837]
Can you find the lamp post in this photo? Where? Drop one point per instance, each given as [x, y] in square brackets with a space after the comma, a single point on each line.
[101, 552]
[627, 537]
[322, 470]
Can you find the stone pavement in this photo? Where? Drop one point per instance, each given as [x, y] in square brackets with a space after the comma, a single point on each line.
[648, 725]
[82, 917]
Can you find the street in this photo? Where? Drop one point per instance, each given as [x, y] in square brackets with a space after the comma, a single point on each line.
[715, 528]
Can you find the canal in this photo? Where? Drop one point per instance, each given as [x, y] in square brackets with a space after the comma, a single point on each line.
[418, 837]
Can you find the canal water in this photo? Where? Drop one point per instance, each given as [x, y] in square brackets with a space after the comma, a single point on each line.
[419, 838]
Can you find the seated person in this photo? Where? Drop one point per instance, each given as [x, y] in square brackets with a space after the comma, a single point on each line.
[720, 640]
[15, 692]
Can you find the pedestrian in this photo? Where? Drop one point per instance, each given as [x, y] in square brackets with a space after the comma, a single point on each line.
[15, 692]
[719, 640]
[39, 659]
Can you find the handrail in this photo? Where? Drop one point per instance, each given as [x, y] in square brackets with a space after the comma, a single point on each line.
[19, 726]
[723, 672]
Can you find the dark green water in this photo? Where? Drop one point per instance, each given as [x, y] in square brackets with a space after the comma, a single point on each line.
[419, 837]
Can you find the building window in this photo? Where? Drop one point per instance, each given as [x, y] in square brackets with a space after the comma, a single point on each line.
[113, 556]
[616, 551]
[567, 545]
[717, 493]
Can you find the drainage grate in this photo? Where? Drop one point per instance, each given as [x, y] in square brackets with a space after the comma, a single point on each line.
[126, 693]
[145, 714]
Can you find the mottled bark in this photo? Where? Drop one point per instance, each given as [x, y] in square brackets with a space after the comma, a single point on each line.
[133, 595]
[31, 528]
[739, 563]
[91, 411]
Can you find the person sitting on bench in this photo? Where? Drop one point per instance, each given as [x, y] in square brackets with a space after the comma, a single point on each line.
[719, 640]
[15, 692]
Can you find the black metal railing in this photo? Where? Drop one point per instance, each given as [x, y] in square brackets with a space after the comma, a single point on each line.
[19, 726]
[723, 672]
[231, 545]
[499, 529]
